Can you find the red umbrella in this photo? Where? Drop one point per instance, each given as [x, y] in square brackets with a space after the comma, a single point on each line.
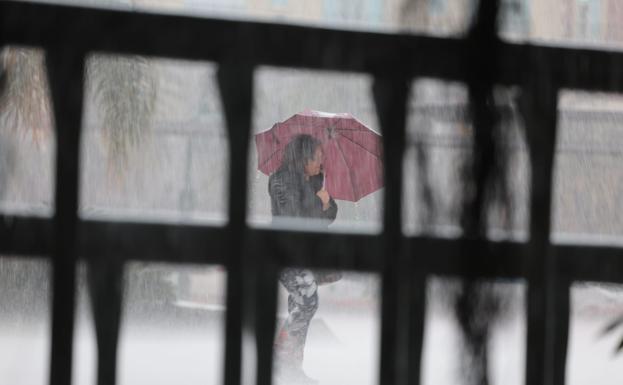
[352, 152]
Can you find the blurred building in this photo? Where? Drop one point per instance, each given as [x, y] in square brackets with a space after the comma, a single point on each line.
[577, 21]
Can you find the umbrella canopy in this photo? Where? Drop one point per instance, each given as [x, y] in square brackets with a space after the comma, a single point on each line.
[352, 152]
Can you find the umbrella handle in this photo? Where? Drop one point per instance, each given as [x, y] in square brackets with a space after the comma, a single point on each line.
[324, 178]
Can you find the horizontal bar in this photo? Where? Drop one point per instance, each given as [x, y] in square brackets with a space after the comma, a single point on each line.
[153, 242]
[357, 252]
[207, 39]
[258, 43]
[29, 236]
[589, 263]
[178, 243]
[468, 258]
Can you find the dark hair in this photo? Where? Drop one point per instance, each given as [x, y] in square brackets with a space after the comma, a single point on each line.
[298, 152]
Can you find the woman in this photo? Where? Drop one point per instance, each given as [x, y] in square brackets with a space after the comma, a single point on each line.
[296, 191]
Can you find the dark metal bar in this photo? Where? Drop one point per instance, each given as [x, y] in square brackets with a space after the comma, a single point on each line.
[486, 259]
[25, 235]
[235, 80]
[356, 252]
[390, 97]
[479, 174]
[105, 288]
[294, 46]
[538, 105]
[416, 295]
[560, 333]
[417, 280]
[187, 244]
[589, 263]
[265, 317]
[211, 39]
[153, 242]
[479, 57]
[65, 68]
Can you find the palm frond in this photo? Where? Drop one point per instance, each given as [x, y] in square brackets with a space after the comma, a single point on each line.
[124, 90]
[24, 92]
[612, 325]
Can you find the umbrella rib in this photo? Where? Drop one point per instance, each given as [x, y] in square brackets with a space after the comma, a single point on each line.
[350, 171]
[268, 159]
[365, 129]
[359, 145]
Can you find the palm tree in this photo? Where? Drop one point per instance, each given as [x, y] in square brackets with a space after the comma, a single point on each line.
[24, 92]
[123, 90]
[25, 108]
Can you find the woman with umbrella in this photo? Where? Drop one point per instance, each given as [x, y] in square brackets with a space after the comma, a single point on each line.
[296, 188]
[296, 191]
[313, 158]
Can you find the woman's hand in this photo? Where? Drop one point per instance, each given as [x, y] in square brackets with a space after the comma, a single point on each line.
[325, 198]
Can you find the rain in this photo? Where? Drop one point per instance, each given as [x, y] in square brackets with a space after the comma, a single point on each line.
[154, 149]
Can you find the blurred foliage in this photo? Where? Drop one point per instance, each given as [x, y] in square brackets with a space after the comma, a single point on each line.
[611, 327]
[124, 89]
[24, 92]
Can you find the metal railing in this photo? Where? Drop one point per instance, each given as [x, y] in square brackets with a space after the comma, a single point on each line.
[253, 257]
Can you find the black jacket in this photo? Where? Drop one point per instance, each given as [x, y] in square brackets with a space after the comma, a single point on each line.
[293, 196]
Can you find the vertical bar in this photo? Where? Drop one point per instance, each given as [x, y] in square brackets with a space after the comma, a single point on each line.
[416, 287]
[266, 316]
[106, 287]
[417, 314]
[480, 58]
[539, 110]
[390, 97]
[65, 68]
[235, 80]
[562, 313]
